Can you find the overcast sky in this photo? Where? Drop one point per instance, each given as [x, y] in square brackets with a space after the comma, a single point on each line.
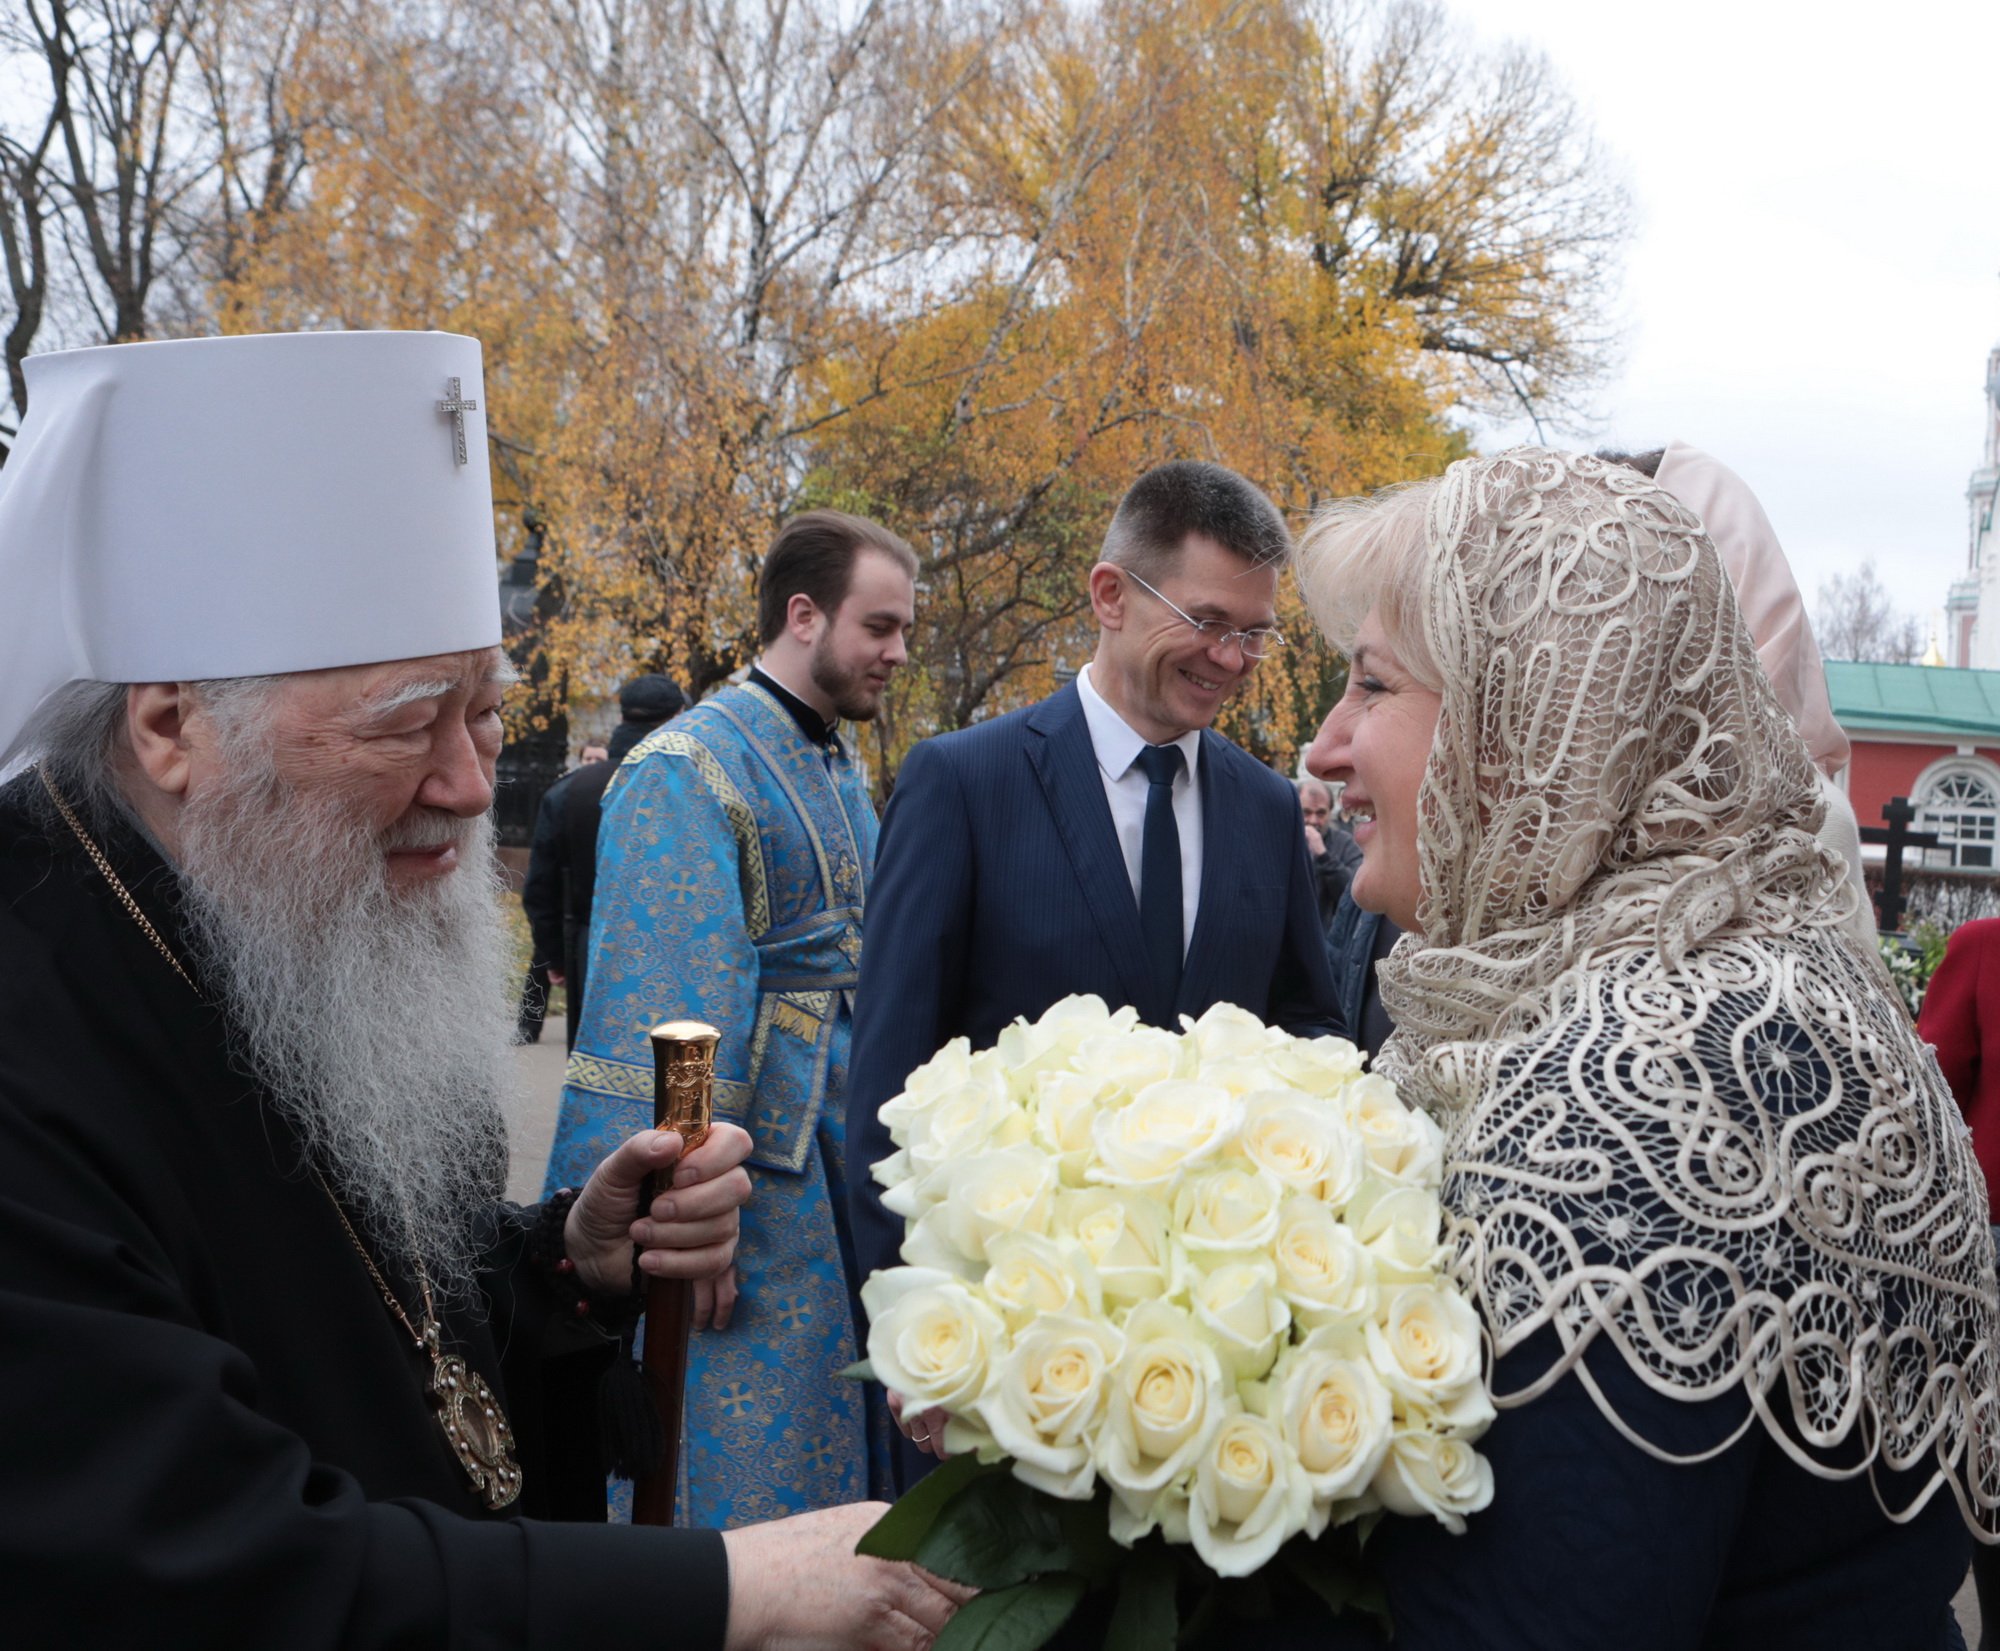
[1815, 280]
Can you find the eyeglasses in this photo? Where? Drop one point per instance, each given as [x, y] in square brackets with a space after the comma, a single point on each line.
[1216, 633]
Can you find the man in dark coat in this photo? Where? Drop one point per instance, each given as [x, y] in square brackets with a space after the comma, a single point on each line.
[279, 1367]
[1105, 840]
[1335, 854]
[1357, 941]
[562, 859]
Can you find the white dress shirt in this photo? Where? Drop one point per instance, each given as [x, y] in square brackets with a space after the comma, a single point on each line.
[1117, 746]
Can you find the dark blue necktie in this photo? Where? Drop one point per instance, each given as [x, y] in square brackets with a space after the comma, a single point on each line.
[1160, 867]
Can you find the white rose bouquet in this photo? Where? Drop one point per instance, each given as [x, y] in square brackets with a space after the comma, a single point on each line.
[1183, 1296]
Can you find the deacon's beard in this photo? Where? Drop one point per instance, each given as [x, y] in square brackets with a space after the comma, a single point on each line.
[377, 1018]
[854, 697]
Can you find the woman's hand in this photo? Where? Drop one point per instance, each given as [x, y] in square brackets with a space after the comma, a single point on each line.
[690, 1232]
[923, 1428]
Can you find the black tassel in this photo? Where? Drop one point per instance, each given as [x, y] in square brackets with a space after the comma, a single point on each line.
[628, 1426]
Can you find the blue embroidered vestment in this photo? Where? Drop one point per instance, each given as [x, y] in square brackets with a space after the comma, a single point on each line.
[731, 867]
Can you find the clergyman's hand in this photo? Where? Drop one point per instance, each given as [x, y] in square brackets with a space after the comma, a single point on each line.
[690, 1232]
[714, 1300]
[798, 1585]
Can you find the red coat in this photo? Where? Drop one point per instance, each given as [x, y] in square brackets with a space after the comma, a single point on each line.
[1961, 1015]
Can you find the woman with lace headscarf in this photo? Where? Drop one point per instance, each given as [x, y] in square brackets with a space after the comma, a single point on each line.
[1705, 1186]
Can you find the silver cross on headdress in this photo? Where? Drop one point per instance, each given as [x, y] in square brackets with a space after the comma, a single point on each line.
[457, 406]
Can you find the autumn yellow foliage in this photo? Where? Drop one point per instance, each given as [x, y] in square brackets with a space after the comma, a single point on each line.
[968, 268]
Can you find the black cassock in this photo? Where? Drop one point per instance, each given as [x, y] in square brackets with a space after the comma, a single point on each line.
[212, 1432]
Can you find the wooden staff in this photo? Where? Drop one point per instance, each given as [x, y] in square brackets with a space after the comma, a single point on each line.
[683, 1098]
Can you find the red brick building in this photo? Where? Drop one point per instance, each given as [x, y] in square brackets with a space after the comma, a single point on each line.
[1930, 733]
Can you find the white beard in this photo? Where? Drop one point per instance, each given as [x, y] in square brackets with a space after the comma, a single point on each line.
[377, 1018]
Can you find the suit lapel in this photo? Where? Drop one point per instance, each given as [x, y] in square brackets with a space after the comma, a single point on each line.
[1065, 763]
[1217, 807]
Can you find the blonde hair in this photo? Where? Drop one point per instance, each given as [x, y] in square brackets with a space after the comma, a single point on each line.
[1369, 554]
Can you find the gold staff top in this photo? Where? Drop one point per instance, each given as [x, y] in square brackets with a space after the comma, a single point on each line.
[684, 1078]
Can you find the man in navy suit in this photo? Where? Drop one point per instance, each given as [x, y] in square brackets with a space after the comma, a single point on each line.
[1104, 840]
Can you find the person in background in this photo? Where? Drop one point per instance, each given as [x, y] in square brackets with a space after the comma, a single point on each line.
[733, 872]
[1331, 847]
[562, 859]
[1961, 1006]
[1356, 942]
[1768, 597]
[1105, 840]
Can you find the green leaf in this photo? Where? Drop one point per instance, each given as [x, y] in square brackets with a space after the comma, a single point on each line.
[1204, 1614]
[1087, 1530]
[1146, 1617]
[995, 1533]
[1332, 1571]
[1022, 1618]
[859, 1371]
[901, 1531]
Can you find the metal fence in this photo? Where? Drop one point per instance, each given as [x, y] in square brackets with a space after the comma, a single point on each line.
[526, 771]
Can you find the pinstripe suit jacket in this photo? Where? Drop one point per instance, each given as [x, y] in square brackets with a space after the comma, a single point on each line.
[999, 888]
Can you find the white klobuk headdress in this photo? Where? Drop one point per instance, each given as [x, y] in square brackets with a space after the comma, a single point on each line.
[226, 507]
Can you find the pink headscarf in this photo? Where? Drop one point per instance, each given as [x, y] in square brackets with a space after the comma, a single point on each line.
[1765, 591]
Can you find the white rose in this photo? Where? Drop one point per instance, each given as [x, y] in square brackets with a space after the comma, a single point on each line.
[1167, 1398]
[1124, 1234]
[1047, 1397]
[1305, 1142]
[1336, 1417]
[948, 1068]
[1250, 1496]
[970, 1118]
[1165, 1129]
[1402, 1228]
[1238, 1308]
[1134, 1059]
[1029, 1049]
[1225, 1032]
[1228, 1210]
[930, 1337]
[1031, 1276]
[891, 1172]
[1064, 1106]
[1164, 1510]
[1425, 1347]
[985, 1197]
[1319, 1066]
[1403, 1144]
[1241, 1075]
[1426, 1474]
[1324, 1273]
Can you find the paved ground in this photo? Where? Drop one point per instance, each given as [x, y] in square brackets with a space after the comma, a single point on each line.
[531, 1126]
[531, 1110]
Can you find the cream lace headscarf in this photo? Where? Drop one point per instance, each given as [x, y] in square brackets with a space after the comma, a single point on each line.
[1683, 1115]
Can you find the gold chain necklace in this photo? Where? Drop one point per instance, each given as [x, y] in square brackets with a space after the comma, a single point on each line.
[118, 888]
[466, 1409]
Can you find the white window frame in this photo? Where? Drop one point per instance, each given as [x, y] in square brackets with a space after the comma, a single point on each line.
[1980, 850]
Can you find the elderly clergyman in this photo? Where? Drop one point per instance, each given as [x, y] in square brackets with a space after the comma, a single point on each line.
[277, 1366]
